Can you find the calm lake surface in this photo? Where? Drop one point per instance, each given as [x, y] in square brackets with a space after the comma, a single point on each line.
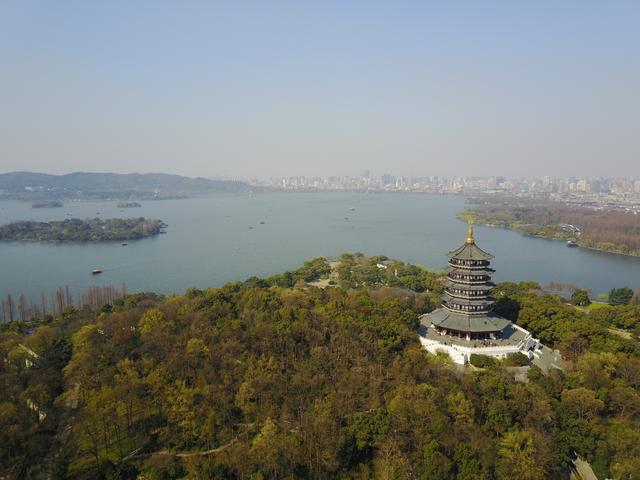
[209, 243]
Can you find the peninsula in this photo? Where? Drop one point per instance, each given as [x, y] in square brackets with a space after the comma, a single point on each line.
[77, 230]
[601, 229]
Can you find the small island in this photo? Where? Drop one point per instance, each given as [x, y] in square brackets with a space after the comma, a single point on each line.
[129, 205]
[47, 204]
[77, 230]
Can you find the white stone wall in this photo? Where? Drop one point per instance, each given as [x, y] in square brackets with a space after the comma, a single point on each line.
[461, 355]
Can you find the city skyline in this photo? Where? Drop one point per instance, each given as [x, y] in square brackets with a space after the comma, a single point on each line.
[365, 174]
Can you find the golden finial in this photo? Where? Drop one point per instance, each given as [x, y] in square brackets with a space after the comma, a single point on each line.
[470, 230]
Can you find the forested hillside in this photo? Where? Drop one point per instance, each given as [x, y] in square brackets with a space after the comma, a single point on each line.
[91, 185]
[273, 378]
[77, 230]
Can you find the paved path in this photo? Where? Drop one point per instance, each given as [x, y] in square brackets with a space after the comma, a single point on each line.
[584, 469]
[546, 359]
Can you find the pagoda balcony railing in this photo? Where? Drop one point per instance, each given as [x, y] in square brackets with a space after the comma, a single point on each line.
[480, 296]
[470, 270]
[468, 267]
[464, 279]
[471, 282]
[470, 309]
[468, 263]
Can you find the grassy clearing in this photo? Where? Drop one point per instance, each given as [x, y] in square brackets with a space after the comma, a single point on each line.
[622, 333]
[592, 306]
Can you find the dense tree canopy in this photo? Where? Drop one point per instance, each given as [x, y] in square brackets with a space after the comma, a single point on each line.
[620, 296]
[271, 378]
[77, 230]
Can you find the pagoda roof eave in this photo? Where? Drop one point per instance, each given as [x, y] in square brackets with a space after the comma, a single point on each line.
[464, 301]
[462, 271]
[469, 251]
[449, 283]
[443, 318]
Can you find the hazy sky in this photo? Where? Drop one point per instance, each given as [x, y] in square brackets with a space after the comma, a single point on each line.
[303, 88]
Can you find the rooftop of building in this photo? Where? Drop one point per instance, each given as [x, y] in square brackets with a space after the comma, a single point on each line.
[509, 336]
[461, 322]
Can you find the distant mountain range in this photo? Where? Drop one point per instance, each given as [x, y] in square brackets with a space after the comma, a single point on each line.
[30, 186]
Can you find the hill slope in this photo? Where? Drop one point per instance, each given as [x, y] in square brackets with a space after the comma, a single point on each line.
[28, 185]
[264, 380]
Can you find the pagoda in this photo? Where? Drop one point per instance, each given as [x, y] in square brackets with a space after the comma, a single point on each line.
[465, 323]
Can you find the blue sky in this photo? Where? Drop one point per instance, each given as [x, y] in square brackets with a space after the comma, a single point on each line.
[305, 88]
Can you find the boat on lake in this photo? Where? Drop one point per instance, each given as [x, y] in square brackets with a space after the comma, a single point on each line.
[96, 271]
[50, 204]
[571, 244]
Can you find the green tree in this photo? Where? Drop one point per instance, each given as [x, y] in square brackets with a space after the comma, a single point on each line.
[154, 322]
[582, 403]
[635, 300]
[620, 296]
[581, 298]
[517, 359]
[517, 457]
[434, 463]
[266, 448]
[467, 464]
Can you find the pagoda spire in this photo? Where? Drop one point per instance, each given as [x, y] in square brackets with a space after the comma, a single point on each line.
[470, 239]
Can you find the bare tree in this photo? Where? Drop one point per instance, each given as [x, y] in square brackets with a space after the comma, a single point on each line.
[9, 307]
[58, 301]
[22, 307]
[68, 297]
[43, 304]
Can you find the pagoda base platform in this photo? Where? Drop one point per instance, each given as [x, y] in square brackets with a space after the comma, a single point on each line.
[511, 339]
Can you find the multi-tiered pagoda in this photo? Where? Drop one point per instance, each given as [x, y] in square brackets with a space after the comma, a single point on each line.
[466, 323]
[466, 305]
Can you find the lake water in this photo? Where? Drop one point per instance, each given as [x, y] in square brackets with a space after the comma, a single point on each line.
[209, 243]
